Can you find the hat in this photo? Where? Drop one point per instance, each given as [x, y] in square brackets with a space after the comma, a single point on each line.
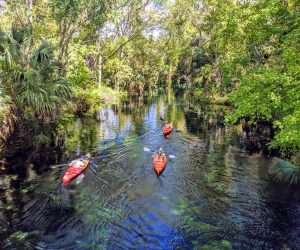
[160, 150]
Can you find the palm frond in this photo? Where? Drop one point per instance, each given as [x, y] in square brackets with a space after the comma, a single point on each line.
[60, 88]
[28, 79]
[43, 55]
[285, 172]
[18, 77]
[35, 93]
[42, 139]
[8, 119]
[19, 33]
[31, 99]
[9, 49]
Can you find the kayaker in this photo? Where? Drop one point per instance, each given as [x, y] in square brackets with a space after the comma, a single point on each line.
[76, 163]
[168, 125]
[160, 153]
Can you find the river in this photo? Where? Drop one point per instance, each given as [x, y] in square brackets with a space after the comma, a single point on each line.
[213, 195]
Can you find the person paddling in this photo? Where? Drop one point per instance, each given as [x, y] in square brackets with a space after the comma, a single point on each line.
[169, 125]
[160, 154]
[168, 128]
[78, 162]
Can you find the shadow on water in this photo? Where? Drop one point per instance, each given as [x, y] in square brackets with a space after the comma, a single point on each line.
[214, 195]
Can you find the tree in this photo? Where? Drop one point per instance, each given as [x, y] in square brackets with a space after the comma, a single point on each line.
[32, 92]
[74, 17]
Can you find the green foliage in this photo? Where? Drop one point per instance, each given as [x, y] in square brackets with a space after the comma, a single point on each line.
[199, 95]
[216, 245]
[269, 90]
[288, 137]
[118, 73]
[285, 172]
[258, 86]
[201, 227]
[5, 102]
[23, 240]
[78, 71]
[31, 91]
[20, 235]
[248, 50]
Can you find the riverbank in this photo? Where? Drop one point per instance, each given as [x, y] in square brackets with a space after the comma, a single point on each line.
[259, 132]
[48, 135]
[120, 201]
[89, 100]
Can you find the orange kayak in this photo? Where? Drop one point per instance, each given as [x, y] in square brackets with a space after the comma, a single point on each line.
[159, 164]
[167, 130]
[73, 171]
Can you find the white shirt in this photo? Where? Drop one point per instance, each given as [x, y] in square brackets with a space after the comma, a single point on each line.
[77, 163]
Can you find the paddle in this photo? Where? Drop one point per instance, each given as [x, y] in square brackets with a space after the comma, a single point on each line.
[85, 156]
[57, 166]
[151, 150]
[178, 131]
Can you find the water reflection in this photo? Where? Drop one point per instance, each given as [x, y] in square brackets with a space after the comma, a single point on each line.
[213, 195]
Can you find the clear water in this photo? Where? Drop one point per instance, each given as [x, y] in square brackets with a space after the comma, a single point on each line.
[214, 195]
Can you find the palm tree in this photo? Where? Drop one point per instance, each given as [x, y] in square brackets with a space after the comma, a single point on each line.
[285, 172]
[31, 91]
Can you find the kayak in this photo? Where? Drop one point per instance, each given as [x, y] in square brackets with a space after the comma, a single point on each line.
[159, 164]
[73, 172]
[167, 130]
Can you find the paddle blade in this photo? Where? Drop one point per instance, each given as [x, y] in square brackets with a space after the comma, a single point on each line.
[58, 166]
[102, 157]
[172, 156]
[146, 149]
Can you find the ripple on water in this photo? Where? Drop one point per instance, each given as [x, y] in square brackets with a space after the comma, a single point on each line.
[212, 196]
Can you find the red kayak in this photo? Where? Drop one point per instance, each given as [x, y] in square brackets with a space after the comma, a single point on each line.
[159, 163]
[75, 168]
[167, 130]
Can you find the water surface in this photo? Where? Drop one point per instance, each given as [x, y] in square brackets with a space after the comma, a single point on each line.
[214, 195]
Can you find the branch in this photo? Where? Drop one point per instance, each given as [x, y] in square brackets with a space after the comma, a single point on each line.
[123, 44]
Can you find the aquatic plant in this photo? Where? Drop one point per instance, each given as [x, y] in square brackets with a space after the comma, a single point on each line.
[21, 240]
[214, 245]
[201, 227]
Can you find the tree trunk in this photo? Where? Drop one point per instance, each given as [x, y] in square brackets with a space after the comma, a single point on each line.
[63, 28]
[66, 33]
[170, 74]
[169, 90]
[116, 84]
[99, 71]
[29, 4]
[170, 82]
[99, 61]
[29, 21]
[64, 73]
[218, 77]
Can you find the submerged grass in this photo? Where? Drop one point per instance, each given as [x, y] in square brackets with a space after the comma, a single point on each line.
[214, 245]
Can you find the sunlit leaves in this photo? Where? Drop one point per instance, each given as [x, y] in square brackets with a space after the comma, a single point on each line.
[31, 91]
[267, 82]
[259, 95]
[43, 55]
[288, 137]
